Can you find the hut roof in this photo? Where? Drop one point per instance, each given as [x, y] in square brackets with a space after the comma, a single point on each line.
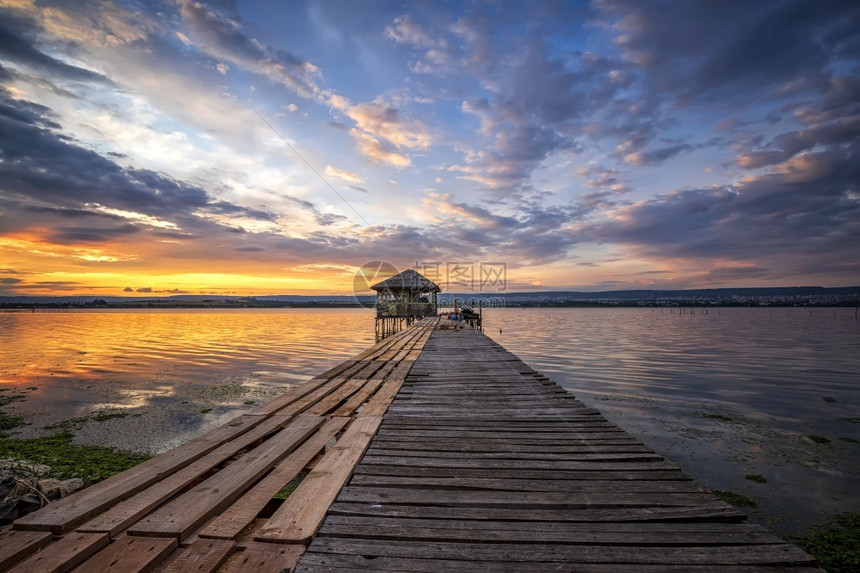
[409, 279]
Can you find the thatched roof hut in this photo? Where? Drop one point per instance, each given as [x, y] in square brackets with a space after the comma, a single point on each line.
[410, 280]
[406, 295]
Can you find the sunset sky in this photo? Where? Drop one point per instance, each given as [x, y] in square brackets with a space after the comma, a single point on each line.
[272, 147]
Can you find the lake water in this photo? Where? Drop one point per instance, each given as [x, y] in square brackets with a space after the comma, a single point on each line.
[172, 374]
[724, 392]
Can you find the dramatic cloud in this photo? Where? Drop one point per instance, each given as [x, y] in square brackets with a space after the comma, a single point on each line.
[190, 146]
[16, 48]
[222, 38]
[703, 49]
[809, 212]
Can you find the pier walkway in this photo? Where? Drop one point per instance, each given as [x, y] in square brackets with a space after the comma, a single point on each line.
[435, 450]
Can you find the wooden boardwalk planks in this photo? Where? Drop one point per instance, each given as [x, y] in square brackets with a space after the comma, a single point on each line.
[130, 555]
[129, 511]
[482, 464]
[190, 508]
[182, 516]
[17, 545]
[432, 450]
[64, 554]
[238, 516]
[64, 514]
[298, 519]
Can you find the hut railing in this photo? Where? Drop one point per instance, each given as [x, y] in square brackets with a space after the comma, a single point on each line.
[405, 309]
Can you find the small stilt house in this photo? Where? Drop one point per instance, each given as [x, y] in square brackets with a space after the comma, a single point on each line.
[402, 299]
[406, 295]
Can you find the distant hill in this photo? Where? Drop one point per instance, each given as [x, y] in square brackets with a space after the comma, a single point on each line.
[713, 293]
[841, 294]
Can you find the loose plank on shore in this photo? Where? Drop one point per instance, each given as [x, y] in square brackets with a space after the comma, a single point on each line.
[64, 514]
[64, 554]
[181, 516]
[129, 555]
[202, 556]
[235, 518]
[129, 511]
[298, 519]
[16, 545]
[267, 558]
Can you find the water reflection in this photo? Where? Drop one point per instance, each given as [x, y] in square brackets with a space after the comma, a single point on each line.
[288, 343]
[171, 373]
[727, 393]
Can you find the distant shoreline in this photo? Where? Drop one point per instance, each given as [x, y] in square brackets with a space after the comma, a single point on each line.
[495, 303]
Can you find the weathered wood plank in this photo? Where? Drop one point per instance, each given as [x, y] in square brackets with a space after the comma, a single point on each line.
[70, 511]
[333, 400]
[289, 397]
[64, 554]
[584, 534]
[648, 530]
[716, 511]
[781, 554]
[298, 519]
[328, 562]
[483, 498]
[508, 455]
[644, 465]
[535, 485]
[390, 447]
[16, 545]
[202, 556]
[494, 472]
[181, 516]
[129, 555]
[312, 398]
[573, 434]
[396, 422]
[380, 401]
[356, 400]
[267, 558]
[129, 511]
[238, 516]
[500, 444]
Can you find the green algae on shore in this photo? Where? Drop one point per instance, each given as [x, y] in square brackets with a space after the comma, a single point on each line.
[734, 499]
[68, 460]
[836, 545]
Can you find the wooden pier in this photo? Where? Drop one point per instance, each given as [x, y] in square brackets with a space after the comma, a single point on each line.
[434, 450]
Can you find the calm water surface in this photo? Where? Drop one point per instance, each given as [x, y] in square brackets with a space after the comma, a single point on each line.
[171, 373]
[725, 394]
